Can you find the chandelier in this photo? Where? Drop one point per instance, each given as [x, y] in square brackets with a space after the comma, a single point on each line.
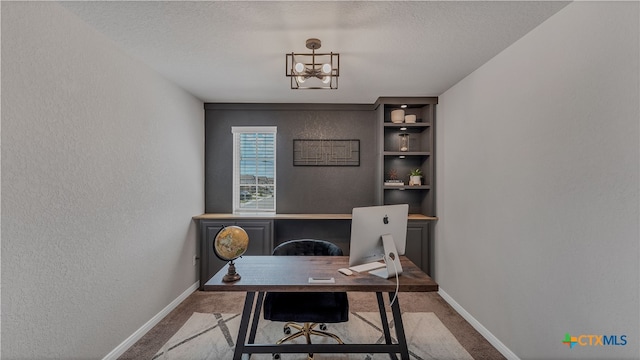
[315, 70]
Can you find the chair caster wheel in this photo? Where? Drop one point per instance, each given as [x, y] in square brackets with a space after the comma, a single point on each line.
[323, 327]
[275, 356]
[287, 330]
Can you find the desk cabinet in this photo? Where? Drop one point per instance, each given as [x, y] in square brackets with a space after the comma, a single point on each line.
[266, 233]
[261, 242]
[418, 249]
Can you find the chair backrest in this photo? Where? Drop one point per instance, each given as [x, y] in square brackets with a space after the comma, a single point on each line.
[307, 247]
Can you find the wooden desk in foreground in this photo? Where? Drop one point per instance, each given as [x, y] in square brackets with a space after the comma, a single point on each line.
[267, 231]
[261, 274]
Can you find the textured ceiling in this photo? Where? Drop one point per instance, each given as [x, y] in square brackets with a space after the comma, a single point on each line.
[234, 51]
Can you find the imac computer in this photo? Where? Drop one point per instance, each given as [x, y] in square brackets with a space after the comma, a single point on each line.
[378, 233]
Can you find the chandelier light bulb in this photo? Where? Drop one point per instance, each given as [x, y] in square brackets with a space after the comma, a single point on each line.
[326, 68]
[300, 79]
[326, 79]
[299, 67]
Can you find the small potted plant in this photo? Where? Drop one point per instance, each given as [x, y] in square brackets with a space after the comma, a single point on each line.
[415, 177]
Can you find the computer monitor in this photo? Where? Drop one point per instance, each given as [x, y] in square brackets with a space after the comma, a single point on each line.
[368, 224]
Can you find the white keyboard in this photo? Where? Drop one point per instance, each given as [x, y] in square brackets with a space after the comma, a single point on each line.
[368, 266]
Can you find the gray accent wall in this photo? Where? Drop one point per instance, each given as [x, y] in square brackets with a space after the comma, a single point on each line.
[102, 170]
[300, 189]
[538, 186]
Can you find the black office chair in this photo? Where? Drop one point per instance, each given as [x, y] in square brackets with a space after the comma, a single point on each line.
[314, 309]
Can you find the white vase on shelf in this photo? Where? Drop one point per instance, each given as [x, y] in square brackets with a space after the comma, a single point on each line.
[397, 116]
[410, 119]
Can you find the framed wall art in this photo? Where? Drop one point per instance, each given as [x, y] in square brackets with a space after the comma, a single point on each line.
[321, 152]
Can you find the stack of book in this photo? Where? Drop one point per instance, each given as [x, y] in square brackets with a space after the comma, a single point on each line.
[393, 183]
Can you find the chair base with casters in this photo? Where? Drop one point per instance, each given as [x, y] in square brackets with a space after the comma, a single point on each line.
[307, 312]
[306, 330]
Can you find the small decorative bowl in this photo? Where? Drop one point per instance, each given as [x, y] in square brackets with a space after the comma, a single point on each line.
[410, 119]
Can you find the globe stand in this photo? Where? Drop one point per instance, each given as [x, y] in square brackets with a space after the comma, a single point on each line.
[232, 275]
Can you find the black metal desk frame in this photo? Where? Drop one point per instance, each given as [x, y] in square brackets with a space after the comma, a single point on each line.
[253, 308]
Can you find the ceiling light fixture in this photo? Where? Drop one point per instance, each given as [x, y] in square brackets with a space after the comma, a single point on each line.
[313, 71]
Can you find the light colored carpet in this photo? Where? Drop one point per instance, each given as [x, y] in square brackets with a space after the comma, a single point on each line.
[212, 336]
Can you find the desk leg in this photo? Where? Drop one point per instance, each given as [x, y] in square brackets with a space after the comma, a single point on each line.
[397, 319]
[244, 325]
[383, 318]
[256, 317]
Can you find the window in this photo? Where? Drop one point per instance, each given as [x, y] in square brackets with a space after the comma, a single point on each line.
[254, 168]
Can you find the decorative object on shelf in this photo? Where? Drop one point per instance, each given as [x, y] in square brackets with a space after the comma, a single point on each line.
[415, 177]
[313, 71]
[397, 116]
[404, 142]
[393, 183]
[410, 119]
[230, 243]
[393, 179]
[313, 152]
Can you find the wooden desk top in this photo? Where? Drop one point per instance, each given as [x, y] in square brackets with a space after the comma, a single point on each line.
[291, 273]
[214, 216]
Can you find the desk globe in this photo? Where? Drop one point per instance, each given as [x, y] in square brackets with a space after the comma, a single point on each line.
[230, 243]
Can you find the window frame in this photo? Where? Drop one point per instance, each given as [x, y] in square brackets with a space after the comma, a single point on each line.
[237, 131]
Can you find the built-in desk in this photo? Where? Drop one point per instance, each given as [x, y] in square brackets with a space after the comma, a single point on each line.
[294, 217]
[266, 231]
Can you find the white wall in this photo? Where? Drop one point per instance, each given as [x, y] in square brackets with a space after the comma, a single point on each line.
[102, 169]
[538, 186]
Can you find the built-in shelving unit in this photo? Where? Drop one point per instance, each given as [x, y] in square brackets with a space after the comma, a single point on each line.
[419, 155]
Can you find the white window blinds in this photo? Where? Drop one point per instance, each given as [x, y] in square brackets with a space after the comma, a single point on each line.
[254, 169]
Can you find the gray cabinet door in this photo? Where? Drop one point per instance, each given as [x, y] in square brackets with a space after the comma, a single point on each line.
[260, 243]
[260, 236]
[209, 262]
[417, 249]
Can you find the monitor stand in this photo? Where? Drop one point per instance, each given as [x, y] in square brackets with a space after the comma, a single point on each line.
[391, 258]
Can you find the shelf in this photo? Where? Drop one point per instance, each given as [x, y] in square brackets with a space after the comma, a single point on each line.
[407, 187]
[406, 153]
[407, 125]
[419, 138]
[393, 162]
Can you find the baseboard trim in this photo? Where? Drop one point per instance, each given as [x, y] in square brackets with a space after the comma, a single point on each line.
[125, 345]
[502, 348]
